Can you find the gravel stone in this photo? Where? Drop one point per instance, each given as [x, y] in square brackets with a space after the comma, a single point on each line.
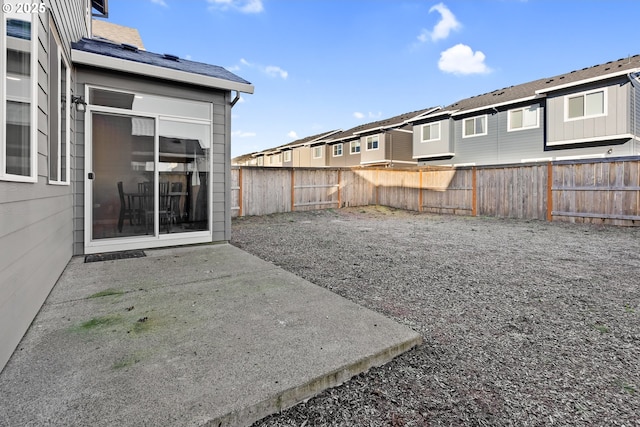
[525, 323]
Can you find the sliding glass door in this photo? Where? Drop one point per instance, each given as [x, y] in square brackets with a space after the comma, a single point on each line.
[148, 176]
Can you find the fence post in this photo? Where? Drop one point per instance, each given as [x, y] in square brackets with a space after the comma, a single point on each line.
[420, 193]
[377, 187]
[293, 190]
[474, 191]
[339, 189]
[549, 191]
[240, 191]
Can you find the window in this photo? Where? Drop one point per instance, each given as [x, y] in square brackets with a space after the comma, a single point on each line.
[18, 107]
[355, 147]
[431, 132]
[317, 152]
[523, 118]
[260, 161]
[372, 142]
[584, 105]
[474, 126]
[287, 156]
[59, 113]
[337, 150]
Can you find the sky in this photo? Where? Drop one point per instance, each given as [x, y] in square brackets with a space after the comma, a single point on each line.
[320, 65]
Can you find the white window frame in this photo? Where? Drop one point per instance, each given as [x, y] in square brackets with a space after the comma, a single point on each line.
[486, 126]
[67, 131]
[337, 150]
[354, 147]
[584, 95]
[435, 124]
[260, 161]
[370, 138]
[523, 109]
[287, 156]
[33, 101]
[319, 150]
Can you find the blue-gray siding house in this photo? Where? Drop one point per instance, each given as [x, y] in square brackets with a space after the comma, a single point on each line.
[588, 113]
[88, 130]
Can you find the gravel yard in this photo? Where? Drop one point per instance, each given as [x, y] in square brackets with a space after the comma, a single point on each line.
[524, 322]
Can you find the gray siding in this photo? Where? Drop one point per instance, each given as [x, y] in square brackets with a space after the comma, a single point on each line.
[220, 149]
[615, 122]
[36, 231]
[434, 148]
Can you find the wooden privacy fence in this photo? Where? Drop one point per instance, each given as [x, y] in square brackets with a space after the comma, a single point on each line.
[602, 190]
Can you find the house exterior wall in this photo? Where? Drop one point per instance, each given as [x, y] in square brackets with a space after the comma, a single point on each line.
[437, 148]
[321, 161]
[616, 121]
[301, 157]
[346, 160]
[221, 221]
[375, 155]
[36, 228]
[399, 146]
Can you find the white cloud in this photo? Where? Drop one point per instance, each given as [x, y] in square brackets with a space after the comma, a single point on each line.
[160, 2]
[461, 59]
[269, 70]
[447, 23]
[244, 6]
[243, 134]
[292, 134]
[275, 71]
[375, 115]
[358, 115]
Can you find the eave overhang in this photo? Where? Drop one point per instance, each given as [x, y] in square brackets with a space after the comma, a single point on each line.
[117, 64]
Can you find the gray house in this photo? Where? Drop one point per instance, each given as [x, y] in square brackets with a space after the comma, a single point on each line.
[588, 113]
[105, 148]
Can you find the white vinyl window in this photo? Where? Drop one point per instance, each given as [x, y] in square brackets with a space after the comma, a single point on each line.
[355, 147]
[585, 105]
[430, 132]
[287, 156]
[523, 118]
[474, 126]
[59, 113]
[372, 142]
[260, 161]
[337, 150]
[317, 152]
[18, 101]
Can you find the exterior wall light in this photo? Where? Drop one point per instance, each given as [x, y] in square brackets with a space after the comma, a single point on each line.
[79, 103]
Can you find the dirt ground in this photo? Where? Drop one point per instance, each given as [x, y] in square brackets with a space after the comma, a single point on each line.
[525, 323]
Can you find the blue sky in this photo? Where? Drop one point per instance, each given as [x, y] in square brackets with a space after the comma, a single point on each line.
[319, 65]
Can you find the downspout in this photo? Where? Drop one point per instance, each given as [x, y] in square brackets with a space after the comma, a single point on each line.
[236, 99]
[497, 133]
[633, 116]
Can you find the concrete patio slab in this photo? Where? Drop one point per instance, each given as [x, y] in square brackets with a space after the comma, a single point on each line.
[191, 336]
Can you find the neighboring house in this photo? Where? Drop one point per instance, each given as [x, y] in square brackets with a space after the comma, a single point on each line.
[244, 160]
[344, 149]
[104, 148]
[114, 33]
[583, 114]
[303, 152]
[387, 142]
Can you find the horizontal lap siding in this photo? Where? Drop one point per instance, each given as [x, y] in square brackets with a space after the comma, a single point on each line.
[36, 231]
